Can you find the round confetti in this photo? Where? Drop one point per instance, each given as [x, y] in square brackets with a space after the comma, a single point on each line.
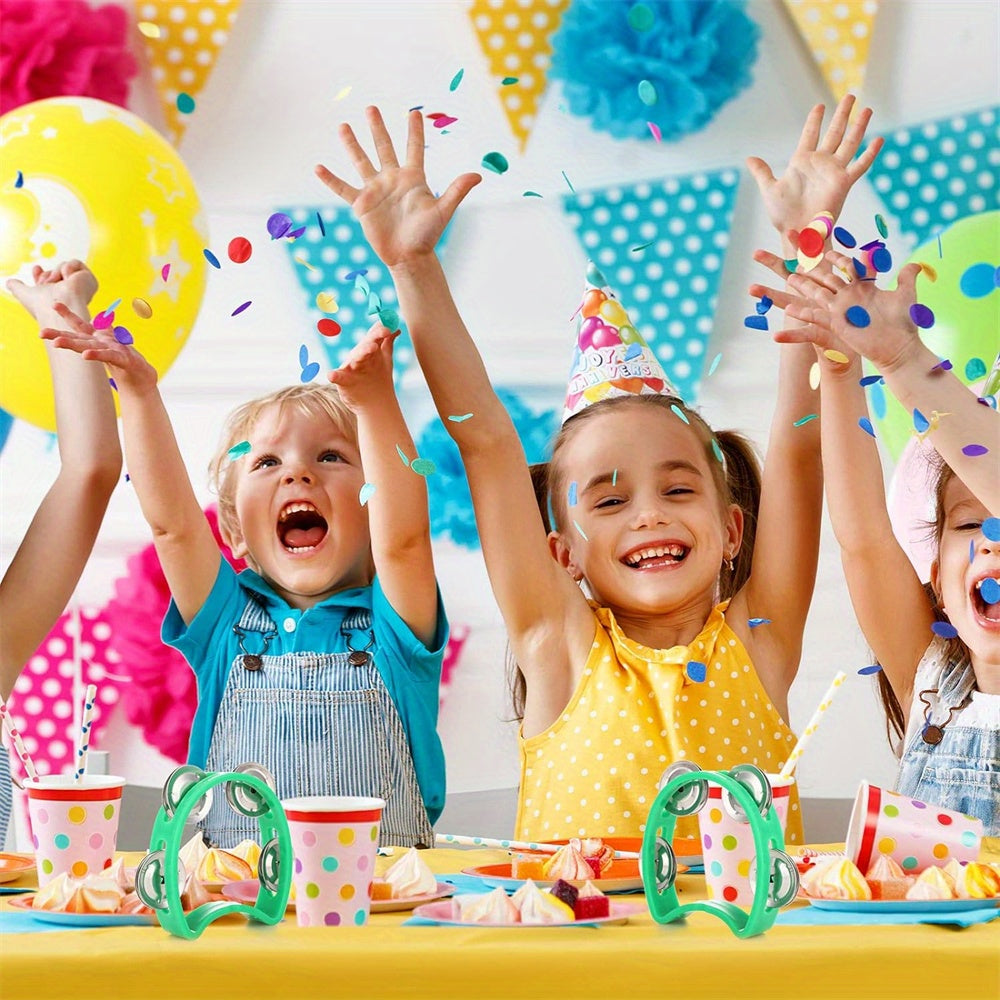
[367, 491]
[754, 622]
[978, 280]
[326, 302]
[929, 271]
[142, 308]
[883, 229]
[991, 528]
[460, 418]
[241, 308]
[240, 249]
[810, 242]
[922, 316]
[19, 180]
[423, 467]
[496, 162]
[696, 671]
[859, 269]
[640, 17]
[149, 29]
[814, 375]
[975, 450]
[328, 327]
[655, 131]
[756, 322]
[989, 590]
[389, 318]
[165, 272]
[975, 368]
[839, 356]
[870, 380]
[238, 450]
[866, 425]
[944, 364]
[791, 265]
[185, 103]
[945, 630]
[278, 224]
[103, 320]
[647, 93]
[456, 80]
[858, 316]
[881, 260]
[873, 669]
[764, 305]
[845, 238]
[123, 336]
[212, 259]
[309, 372]
[920, 422]
[508, 81]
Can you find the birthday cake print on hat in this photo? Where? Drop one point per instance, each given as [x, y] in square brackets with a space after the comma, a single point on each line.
[610, 358]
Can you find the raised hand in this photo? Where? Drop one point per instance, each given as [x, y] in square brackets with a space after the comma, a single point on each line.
[365, 377]
[72, 283]
[399, 214]
[821, 171]
[127, 365]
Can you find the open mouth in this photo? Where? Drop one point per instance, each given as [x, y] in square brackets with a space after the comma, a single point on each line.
[301, 527]
[987, 609]
[656, 556]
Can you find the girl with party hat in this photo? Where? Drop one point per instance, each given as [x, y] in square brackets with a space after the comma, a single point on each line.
[647, 624]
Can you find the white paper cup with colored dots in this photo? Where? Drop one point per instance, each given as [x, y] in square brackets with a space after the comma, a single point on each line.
[914, 834]
[334, 840]
[727, 844]
[74, 824]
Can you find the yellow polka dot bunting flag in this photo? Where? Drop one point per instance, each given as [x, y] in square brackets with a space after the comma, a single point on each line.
[838, 33]
[515, 36]
[182, 50]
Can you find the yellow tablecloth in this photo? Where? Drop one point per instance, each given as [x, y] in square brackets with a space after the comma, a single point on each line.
[698, 958]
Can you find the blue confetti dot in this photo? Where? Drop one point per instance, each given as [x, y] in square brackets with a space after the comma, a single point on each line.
[696, 671]
[978, 280]
[389, 318]
[844, 238]
[858, 316]
[859, 268]
[715, 363]
[764, 304]
[754, 622]
[185, 103]
[991, 528]
[871, 380]
[873, 669]
[878, 401]
[212, 259]
[19, 180]
[989, 590]
[572, 494]
[945, 630]
[972, 552]
[756, 322]
[920, 422]
[309, 372]
[866, 425]
[322, 228]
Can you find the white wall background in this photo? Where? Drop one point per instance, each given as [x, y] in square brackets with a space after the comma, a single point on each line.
[268, 115]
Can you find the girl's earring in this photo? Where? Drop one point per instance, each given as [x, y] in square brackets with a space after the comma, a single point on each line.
[729, 564]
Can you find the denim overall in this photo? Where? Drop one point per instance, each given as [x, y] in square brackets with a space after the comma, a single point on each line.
[962, 772]
[6, 794]
[321, 723]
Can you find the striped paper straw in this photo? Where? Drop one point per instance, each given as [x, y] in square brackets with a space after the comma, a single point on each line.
[86, 723]
[812, 726]
[511, 845]
[15, 738]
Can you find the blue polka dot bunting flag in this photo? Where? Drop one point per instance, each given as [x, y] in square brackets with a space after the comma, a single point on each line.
[933, 173]
[327, 255]
[661, 245]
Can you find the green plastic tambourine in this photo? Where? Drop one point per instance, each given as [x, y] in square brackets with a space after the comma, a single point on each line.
[746, 794]
[187, 796]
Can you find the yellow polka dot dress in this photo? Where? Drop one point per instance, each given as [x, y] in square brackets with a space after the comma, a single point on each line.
[594, 771]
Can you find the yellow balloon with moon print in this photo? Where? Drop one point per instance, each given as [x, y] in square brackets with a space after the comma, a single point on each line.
[88, 180]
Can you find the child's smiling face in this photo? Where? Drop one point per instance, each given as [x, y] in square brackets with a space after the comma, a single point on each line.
[301, 523]
[656, 531]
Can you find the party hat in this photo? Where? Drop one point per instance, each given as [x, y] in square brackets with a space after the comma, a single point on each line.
[610, 358]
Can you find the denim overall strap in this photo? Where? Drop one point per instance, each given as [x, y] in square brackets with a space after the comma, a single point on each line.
[321, 723]
[6, 794]
[962, 771]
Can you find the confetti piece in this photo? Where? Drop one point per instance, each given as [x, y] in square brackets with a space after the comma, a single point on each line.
[19, 180]
[922, 316]
[319, 221]
[460, 418]
[717, 451]
[696, 671]
[238, 451]
[975, 368]
[975, 450]
[113, 384]
[866, 425]
[655, 129]
[944, 365]
[805, 419]
[359, 280]
[278, 224]
[640, 17]
[991, 528]
[389, 318]
[858, 316]
[873, 669]
[296, 233]
[845, 238]
[754, 622]
[978, 280]
[715, 363]
[920, 422]
[944, 629]
[571, 494]
[456, 80]
[423, 467]
[679, 412]
[972, 552]
[839, 356]
[881, 260]
[240, 249]
[149, 29]
[443, 121]
[643, 246]
[123, 336]
[300, 259]
[531, 194]
[342, 93]
[309, 369]
[165, 272]
[366, 493]
[859, 269]
[326, 302]
[614, 478]
[756, 322]
[242, 307]
[870, 380]
[929, 271]
[496, 162]
[647, 93]
[508, 81]
[212, 259]
[811, 242]
[883, 229]
[142, 308]
[402, 455]
[989, 590]
[328, 327]
[764, 304]
[103, 320]
[634, 351]
[374, 303]
[114, 305]
[567, 180]
[814, 375]
[878, 402]
[185, 103]
[791, 264]
[940, 248]
[582, 533]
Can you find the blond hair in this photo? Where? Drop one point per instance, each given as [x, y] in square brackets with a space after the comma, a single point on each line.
[308, 399]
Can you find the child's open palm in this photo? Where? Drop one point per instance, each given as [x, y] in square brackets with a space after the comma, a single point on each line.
[365, 377]
[400, 216]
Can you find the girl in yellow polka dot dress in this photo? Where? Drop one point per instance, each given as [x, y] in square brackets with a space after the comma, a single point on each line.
[633, 620]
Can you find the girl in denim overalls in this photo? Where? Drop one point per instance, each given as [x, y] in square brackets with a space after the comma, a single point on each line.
[939, 643]
[322, 662]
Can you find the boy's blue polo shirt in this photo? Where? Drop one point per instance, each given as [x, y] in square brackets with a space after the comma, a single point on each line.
[410, 671]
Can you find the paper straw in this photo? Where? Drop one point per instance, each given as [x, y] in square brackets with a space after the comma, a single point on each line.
[15, 738]
[812, 725]
[511, 845]
[87, 721]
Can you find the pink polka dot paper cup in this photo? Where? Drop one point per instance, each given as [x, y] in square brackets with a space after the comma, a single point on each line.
[914, 834]
[74, 825]
[727, 844]
[334, 839]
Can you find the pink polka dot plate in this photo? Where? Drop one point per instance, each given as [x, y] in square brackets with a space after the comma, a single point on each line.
[444, 913]
[626, 879]
[13, 866]
[904, 905]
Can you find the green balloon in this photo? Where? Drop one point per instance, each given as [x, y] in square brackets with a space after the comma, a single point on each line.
[964, 327]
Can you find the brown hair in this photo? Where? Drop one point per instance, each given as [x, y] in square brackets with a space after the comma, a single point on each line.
[955, 650]
[737, 481]
[309, 398]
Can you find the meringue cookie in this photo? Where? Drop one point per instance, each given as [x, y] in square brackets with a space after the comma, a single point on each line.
[537, 907]
[410, 876]
[492, 908]
[569, 864]
[932, 883]
[838, 878]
